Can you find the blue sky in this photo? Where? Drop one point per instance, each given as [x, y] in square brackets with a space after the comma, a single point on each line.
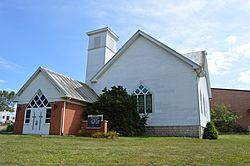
[52, 34]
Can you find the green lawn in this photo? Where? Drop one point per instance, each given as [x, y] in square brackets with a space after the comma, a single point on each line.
[56, 150]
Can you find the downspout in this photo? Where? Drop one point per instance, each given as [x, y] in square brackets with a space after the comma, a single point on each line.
[64, 106]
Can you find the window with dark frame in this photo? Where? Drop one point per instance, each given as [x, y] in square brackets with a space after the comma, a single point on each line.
[27, 116]
[140, 103]
[148, 103]
[144, 100]
[39, 101]
[48, 115]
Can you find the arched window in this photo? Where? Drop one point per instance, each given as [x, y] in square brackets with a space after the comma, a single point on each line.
[144, 100]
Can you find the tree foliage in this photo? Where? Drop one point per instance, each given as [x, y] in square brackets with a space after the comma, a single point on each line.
[119, 108]
[210, 131]
[6, 100]
[224, 118]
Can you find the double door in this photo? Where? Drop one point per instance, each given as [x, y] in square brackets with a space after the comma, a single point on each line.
[35, 121]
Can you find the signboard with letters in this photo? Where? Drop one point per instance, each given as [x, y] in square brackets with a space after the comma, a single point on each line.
[94, 121]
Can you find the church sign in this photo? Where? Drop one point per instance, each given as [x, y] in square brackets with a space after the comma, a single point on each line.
[94, 121]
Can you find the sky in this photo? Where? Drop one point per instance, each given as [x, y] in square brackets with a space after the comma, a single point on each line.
[52, 34]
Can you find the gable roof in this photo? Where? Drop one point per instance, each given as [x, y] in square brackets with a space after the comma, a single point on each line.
[196, 57]
[130, 42]
[69, 87]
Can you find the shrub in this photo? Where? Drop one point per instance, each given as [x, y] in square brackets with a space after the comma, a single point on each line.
[110, 135]
[99, 134]
[10, 128]
[83, 133]
[224, 118]
[119, 108]
[210, 131]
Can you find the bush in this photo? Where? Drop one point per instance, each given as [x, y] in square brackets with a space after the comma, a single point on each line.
[110, 135]
[83, 133]
[210, 131]
[224, 118]
[10, 128]
[120, 109]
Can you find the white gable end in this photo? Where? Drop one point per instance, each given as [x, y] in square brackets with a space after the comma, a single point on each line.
[171, 81]
[39, 82]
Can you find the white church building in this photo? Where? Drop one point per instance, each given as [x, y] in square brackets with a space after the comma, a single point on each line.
[173, 89]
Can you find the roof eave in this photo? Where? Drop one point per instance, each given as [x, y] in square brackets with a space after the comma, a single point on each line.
[27, 83]
[67, 97]
[103, 30]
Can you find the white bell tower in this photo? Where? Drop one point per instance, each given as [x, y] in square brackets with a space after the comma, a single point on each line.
[102, 47]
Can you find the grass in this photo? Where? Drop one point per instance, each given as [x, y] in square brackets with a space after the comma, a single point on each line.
[55, 150]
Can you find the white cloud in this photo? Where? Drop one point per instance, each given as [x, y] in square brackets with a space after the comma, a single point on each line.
[12, 66]
[220, 62]
[208, 37]
[2, 81]
[244, 77]
[231, 40]
[242, 50]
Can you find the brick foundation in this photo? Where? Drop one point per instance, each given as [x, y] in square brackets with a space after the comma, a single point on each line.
[177, 131]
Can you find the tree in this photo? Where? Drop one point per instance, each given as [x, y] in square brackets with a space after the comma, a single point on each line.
[119, 108]
[224, 118]
[210, 131]
[6, 100]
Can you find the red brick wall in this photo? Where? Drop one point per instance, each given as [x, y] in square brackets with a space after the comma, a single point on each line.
[238, 100]
[18, 128]
[56, 118]
[73, 118]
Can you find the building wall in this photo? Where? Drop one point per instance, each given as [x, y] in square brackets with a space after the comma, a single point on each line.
[238, 100]
[40, 82]
[204, 107]
[18, 128]
[5, 114]
[73, 118]
[56, 118]
[171, 81]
